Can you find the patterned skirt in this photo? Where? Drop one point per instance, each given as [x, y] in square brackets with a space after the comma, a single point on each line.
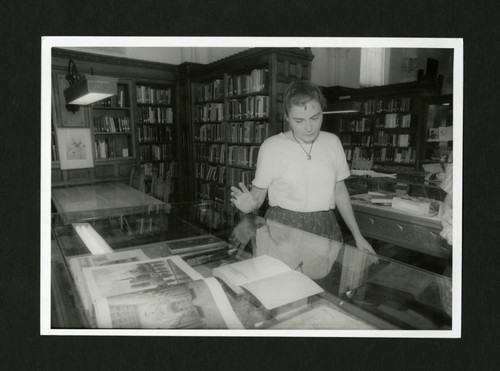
[321, 223]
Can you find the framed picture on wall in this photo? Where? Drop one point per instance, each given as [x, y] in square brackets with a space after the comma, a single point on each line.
[75, 148]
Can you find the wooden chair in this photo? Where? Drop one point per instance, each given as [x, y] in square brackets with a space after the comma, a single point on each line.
[159, 189]
[168, 188]
[137, 179]
[162, 188]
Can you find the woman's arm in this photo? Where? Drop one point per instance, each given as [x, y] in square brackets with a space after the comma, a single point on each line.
[247, 201]
[343, 204]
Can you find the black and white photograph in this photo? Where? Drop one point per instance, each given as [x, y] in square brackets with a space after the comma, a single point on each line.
[316, 183]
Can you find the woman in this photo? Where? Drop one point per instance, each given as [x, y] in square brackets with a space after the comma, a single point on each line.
[303, 171]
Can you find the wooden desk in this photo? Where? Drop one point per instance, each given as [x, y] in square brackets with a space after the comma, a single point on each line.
[100, 198]
[419, 233]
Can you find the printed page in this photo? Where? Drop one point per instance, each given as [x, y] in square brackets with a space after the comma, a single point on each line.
[239, 273]
[197, 304]
[124, 278]
[282, 289]
[78, 263]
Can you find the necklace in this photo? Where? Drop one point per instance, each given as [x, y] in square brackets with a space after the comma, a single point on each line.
[308, 154]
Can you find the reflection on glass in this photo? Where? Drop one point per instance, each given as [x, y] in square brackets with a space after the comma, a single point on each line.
[366, 286]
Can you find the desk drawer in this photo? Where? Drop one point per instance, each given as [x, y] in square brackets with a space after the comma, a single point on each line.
[401, 233]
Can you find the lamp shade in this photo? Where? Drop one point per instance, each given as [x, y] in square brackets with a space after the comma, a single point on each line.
[90, 89]
[345, 105]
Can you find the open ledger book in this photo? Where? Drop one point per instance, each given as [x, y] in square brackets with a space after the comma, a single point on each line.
[156, 293]
[269, 280]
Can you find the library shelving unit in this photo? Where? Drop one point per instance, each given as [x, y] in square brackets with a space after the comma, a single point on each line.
[439, 128]
[117, 127]
[157, 130]
[112, 126]
[236, 105]
[389, 128]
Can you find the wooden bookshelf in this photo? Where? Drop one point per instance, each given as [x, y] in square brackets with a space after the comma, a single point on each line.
[388, 130]
[236, 103]
[157, 132]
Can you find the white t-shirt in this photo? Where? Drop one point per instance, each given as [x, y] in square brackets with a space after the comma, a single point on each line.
[296, 183]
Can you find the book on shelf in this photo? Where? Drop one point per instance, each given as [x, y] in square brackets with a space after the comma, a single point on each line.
[157, 293]
[273, 283]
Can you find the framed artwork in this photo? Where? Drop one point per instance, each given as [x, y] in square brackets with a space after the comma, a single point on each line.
[75, 148]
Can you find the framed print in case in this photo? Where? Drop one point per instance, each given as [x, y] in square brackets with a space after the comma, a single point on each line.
[75, 148]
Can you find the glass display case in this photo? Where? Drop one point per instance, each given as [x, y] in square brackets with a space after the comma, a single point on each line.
[359, 290]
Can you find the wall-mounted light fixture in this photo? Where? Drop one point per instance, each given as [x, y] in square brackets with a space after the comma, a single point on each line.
[344, 105]
[88, 89]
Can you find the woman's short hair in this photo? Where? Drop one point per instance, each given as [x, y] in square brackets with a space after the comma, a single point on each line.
[300, 92]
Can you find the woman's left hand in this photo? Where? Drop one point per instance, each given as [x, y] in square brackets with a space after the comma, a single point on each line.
[363, 244]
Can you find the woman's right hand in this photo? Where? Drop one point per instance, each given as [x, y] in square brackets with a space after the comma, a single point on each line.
[243, 199]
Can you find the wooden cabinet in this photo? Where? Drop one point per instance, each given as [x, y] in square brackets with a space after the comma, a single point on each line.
[412, 232]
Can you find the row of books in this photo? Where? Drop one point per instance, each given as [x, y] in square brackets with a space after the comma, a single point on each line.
[212, 152]
[106, 148]
[156, 115]
[235, 176]
[358, 152]
[212, 173]
[372, 106]
[355, 140]
[213, 192]
[397, 140]
[154, 152]
[394, 120]
[154, 134]
[208, 112]
[242, 155]
[230, 155]
[118, 100]
[222, 174]
[148, 95]
[212, 91]
[112, 124]
[361, 125]
[254, 82]
[234, 132]
[396, 155]
[249, 107]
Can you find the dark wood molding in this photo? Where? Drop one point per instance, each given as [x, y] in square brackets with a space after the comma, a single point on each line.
[115, 66]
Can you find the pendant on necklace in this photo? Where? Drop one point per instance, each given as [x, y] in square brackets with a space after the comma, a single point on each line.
[308, 156]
